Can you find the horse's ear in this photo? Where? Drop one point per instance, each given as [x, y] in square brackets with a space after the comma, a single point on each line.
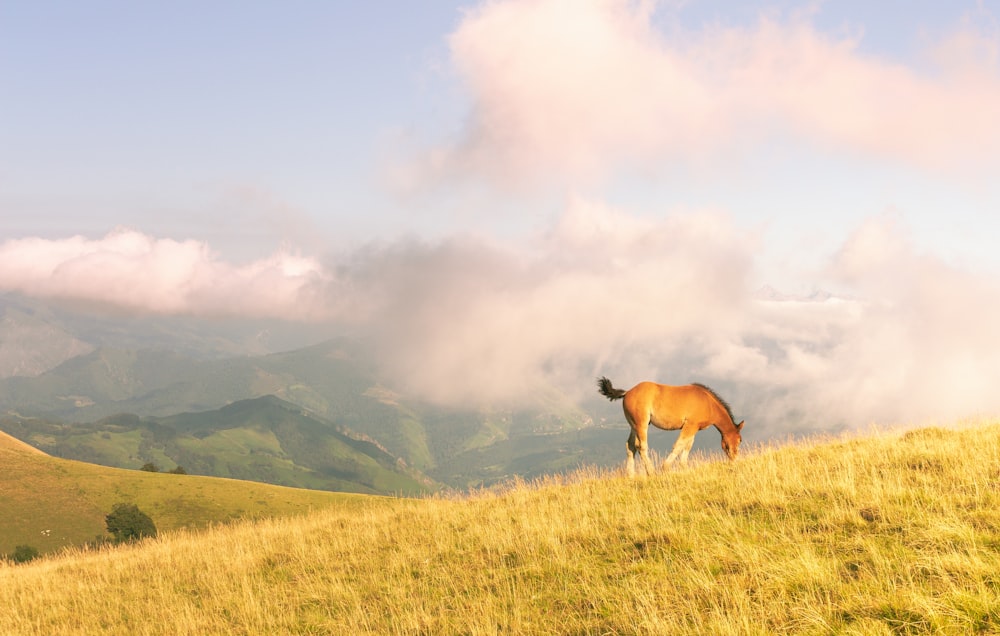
[739, 426]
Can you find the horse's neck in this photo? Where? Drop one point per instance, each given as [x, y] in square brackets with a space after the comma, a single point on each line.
[725, 425]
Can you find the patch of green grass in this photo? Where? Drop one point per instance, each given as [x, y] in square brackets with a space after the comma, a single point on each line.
[51, 503]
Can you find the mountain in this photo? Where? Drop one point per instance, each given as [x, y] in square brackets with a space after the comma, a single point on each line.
[31, 343]
[162, 382]
[334, 381]
[261, 439]
[36, 335]
[48, 502]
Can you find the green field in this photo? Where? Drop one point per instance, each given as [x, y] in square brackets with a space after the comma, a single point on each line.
[49, 503]
[895, 533]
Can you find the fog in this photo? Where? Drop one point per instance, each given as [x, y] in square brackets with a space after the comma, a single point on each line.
[910, 338]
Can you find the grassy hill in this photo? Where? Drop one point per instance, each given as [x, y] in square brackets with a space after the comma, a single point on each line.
[890, 534]
[49, 503]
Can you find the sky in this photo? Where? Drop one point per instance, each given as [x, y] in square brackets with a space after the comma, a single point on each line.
[796, 201]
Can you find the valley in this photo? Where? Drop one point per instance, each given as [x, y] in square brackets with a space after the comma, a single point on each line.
[319, 416]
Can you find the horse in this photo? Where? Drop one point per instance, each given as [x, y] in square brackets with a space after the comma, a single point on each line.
[689, 408]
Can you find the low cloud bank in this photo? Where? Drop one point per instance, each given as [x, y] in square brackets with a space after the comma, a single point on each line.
[912, 340]
[131, 271]
[468, 321]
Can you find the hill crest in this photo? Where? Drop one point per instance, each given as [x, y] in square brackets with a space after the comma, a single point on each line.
[12, 444]
[49, 502]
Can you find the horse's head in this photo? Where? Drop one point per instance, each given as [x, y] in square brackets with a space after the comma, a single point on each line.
[731, 441]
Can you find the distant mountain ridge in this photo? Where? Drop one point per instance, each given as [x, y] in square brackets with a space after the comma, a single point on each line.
[133, 368]
[107, 381]
[261, 439]
[333, 382]
[37, 335]
[31, 345]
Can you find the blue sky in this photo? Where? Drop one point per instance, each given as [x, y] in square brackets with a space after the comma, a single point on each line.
[153, 115]
[204, 120]
[490, 163]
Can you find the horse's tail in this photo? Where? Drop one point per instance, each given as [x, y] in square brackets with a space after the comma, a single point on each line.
[604, 388]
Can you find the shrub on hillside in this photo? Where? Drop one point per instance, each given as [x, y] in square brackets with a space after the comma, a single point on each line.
[178, 470]
[150, 467]
[23, 554]
[127, 523]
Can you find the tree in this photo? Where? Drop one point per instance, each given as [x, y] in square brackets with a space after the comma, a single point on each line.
[23, 554]
[178, 470]
[127, 523]
[150, 467]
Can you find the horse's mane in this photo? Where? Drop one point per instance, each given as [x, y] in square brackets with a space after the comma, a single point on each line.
[724, 404]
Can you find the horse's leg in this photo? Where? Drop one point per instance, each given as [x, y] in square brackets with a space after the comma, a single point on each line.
[630, 462]
[643, 447]
[689, 443]
[639, 421]
[683, 444]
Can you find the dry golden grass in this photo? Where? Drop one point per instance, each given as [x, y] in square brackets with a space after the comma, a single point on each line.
[888, 534]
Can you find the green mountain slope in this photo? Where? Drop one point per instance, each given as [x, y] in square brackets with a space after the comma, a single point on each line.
[48, 502]
[334, 380]
[263, 439]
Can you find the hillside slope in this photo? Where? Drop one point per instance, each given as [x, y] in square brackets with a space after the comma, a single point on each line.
[48, 503]
[896, 533]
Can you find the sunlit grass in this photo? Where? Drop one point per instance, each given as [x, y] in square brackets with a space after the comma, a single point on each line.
[49, 503]
[887, 534]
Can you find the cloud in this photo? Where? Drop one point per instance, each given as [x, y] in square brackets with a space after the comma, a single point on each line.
[928, 335]
[673, 300]
[468, 320]
[131, 271]
[568, 91]
[915, 342]
[567, 94]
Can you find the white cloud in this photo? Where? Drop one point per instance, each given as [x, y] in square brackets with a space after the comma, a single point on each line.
[131, 271]
[467, 320]
[917, 344]
[570, 91]
[672, 300]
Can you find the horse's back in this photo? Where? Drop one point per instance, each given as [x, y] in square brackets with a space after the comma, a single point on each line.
[646, 394]
[668, 406]
[653, 392]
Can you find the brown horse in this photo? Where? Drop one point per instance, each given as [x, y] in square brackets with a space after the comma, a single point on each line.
[689, 408]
